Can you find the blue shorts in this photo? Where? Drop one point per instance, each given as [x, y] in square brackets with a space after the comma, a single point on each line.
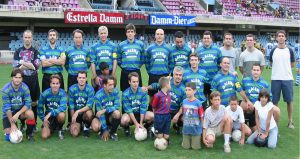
[286, 86]
[162, 123]
[298, 65]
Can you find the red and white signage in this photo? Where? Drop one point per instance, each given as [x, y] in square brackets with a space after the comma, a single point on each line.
[78, 17]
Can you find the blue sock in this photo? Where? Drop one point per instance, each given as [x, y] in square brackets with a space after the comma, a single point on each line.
[298, 79]
[6, 137]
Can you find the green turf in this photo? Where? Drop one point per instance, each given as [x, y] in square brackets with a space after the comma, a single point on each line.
[287, 147]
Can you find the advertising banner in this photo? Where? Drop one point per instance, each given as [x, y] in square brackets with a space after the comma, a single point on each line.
[172, 20]
[78, 17]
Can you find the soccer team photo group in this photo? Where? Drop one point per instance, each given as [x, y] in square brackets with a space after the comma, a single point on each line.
[164, 91]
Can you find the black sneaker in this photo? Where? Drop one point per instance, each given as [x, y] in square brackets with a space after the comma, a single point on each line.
[30, 138]
[61, 134]
[114, 137]
[86, 133]
[150, 133]
[127, 132]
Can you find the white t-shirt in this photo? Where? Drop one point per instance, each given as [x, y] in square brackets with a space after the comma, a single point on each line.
[237, 116]
[247, 59]
[213, 118]
[281, 64]
[263, 115]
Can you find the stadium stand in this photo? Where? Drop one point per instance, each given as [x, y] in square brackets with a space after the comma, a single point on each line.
[183, 6]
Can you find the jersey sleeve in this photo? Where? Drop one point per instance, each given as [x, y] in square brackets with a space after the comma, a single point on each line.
[242, 118]
[90, 100]
[6, 102]
[71, 99]
[27, 98]
[145, 102]
[16, 60]
[40, 107]
[114, 52]
[200, 111]
[36, 60]
[126, 104]
[119, 55]
[237, 84]
[155, 101]
[292, 55]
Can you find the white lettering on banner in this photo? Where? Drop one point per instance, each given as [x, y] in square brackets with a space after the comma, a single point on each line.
[175, 20]
[89, 18]
[110, 19]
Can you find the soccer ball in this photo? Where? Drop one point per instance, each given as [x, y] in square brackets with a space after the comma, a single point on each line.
[140, 134]
[160, 143]
[236, 135]
[16, 137]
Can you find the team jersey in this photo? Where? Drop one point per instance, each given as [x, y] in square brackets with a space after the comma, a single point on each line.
[192, 112]
[269, 47]
[51, 103]
[252, 87]
[199, 78]
[227, 85]
[180, 57]
[81, 98]
[136, 103]
[161, 103]
[47, 52]
[157, 60]
[177, 94]
[210, 59]
[104, 52]
[297, 51]
[27, 55]
[77, 59]
[13, 100]
[110, 102]
[131, 56]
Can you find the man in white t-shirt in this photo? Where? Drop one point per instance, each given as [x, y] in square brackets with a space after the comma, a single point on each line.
[282, 60]
[232, 53]
[250, 56]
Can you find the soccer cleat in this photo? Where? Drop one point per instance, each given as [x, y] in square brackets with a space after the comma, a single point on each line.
[291, 125]
[86, 133]
[30, 138]
[150, 133]
[227, 148]
[114, 137]
[61, 134]
[35, 129]
[127, 132]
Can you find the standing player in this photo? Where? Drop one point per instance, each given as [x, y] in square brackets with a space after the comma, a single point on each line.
[210, 57]
[81, 97]
[16, 105]
[157, 59]
[108, 116]
[198, 76]
[250, 56]
[26, 58]
[232, 53]
[52, 107]
[216, 122]
[227, 84]
[180, 52]
[161, 108]
[52, 59]
[177, 93]
[78, 57]
[282, 60]
[135, 103]
[103, 51]
[269, 46]
[131, 56]
[297, 57]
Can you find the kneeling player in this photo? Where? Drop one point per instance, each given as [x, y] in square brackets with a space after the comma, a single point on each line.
[216, 122]
[52, 107]
[81, 104]
[237, 118]
[16, 105]
[107, 104]
[135, 103]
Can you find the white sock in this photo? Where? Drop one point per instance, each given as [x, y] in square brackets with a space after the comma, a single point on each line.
[226, 138]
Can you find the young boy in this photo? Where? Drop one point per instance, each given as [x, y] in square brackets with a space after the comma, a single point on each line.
[192, 119]
[161, 108]
[237, 118]
[97, 83]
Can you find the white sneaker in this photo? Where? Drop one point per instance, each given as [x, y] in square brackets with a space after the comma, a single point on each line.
[227, 148]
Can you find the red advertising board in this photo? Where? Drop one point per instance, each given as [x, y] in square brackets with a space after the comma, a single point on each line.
[78, 17]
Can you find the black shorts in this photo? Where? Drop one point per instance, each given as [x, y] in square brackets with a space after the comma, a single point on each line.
[124, 79]
[154, 79]
[53, 123]
[46, 81]
[107, 116]
[162, 123]
[6, 123]
[71, 80]
[137, 118]
[250, 119]
[207, 90]
[33, 84]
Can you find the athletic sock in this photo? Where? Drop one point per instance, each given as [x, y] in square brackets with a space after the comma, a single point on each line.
[30, 125]
[114, 125]
[34, 109]
[298, 79]
[226, 138]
